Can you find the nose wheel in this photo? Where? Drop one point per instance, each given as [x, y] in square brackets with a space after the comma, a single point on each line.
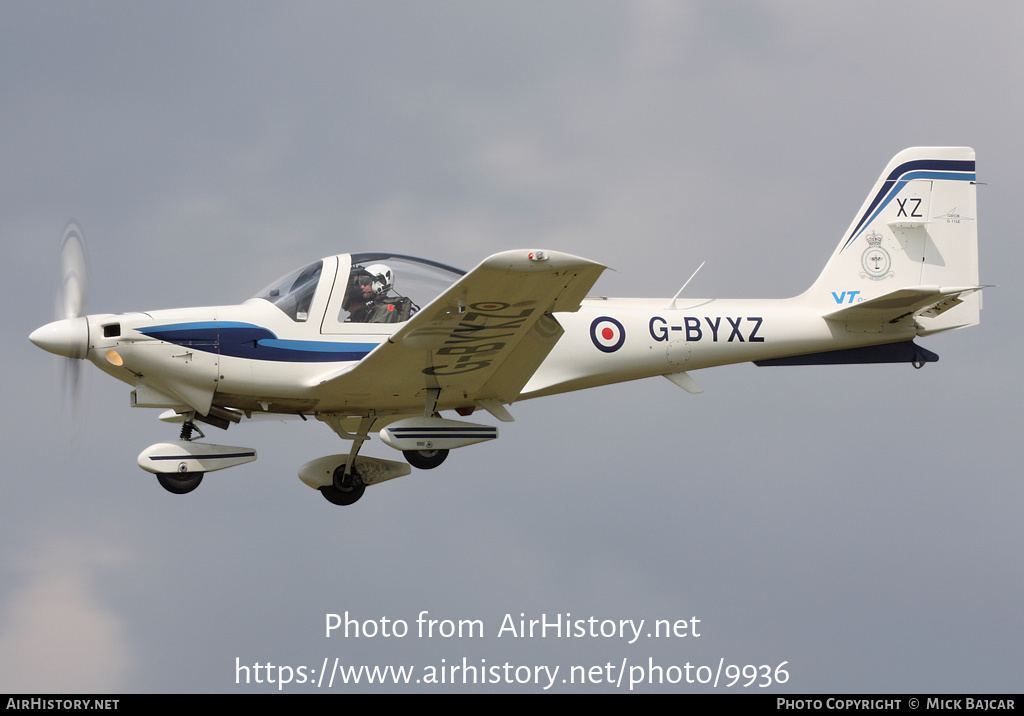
[180, 483]
[183, 482]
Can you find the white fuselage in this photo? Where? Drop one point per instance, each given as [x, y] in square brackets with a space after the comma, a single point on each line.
[607, 341]
[656, 339]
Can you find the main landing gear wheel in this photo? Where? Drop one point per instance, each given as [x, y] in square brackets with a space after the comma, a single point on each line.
[425, 459]
[344, 491]
[180, 483]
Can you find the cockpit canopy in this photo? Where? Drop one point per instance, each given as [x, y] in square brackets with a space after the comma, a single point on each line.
[362, 288]
[293, 294]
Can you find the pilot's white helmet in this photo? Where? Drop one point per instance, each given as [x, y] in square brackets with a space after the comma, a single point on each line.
[383, 277]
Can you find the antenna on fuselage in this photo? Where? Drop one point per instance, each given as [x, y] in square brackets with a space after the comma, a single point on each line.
[672, 303]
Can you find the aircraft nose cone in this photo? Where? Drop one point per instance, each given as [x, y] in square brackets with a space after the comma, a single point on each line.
[69, 338]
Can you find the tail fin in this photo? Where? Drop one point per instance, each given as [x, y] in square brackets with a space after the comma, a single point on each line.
[912, 249]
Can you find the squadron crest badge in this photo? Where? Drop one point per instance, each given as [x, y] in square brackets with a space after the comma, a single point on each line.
[876, 260]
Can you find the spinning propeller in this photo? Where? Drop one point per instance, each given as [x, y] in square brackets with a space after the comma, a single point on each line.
[68, 336]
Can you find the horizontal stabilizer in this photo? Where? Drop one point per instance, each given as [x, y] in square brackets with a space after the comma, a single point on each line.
[928, 301]
[905, 352]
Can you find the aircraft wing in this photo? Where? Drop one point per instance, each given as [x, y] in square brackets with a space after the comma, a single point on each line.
[478, 342]
[927, 301]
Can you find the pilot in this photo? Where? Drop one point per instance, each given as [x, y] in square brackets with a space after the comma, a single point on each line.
[368, 300]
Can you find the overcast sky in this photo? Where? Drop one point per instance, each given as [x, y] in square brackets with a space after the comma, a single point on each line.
[860, 523]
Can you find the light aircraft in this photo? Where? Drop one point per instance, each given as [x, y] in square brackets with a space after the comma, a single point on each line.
[384, 343]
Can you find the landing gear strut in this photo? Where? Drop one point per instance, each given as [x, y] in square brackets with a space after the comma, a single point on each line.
[186, 431]
[348, 486]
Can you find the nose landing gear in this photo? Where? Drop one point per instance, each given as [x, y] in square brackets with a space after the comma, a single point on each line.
[180, 466]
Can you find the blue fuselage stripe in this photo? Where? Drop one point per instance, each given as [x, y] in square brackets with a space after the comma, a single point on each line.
[245, 340]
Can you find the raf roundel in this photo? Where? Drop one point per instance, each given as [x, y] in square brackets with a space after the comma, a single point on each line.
[607, 334]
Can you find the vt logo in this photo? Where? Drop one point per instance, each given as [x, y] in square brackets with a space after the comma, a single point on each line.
[845, 296]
